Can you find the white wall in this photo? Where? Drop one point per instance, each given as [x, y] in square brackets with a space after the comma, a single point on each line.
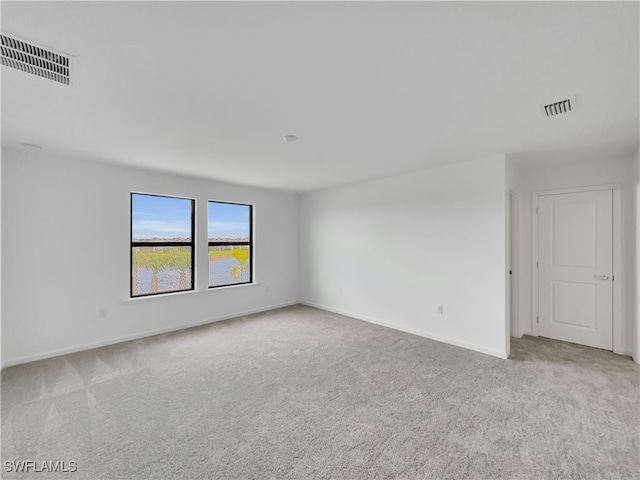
[0, 260]
[65, 239]
[529, 175]
[390, 251]
[636, 352]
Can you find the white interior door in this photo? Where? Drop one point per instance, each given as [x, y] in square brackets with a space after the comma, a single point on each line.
[575, 246]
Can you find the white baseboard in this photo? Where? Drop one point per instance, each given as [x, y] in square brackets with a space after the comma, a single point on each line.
[526, 332]
[137, 336]
[420, 333]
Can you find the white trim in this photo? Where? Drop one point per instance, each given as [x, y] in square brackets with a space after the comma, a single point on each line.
[420, 333]
[619, 280]
[514, 254]
[507, 264]
[618, 283]
[139, 335]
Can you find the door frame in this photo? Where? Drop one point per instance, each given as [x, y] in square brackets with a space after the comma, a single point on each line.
[513, 264]
[618, 282]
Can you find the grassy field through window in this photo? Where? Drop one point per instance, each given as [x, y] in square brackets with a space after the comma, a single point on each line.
[161, 244]
[230, 244]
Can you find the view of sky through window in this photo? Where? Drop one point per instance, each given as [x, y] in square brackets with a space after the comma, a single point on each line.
[160, 217]
[161, 244]
[228, 220]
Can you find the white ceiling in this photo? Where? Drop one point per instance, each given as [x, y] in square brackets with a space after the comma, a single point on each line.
[371, 89]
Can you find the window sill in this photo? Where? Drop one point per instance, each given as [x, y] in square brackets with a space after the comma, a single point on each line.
[187, 292]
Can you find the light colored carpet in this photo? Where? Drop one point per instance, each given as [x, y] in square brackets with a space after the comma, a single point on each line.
[302, 393]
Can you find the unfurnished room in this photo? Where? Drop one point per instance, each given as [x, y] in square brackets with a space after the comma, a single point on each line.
[320, 240]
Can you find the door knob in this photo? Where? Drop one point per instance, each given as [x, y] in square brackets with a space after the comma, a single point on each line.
[601, 277]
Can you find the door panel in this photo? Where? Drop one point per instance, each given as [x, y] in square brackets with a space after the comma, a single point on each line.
[577, 298]
[575, 267]
[574, 227]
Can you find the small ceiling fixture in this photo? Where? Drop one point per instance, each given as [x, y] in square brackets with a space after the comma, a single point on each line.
[290, 138]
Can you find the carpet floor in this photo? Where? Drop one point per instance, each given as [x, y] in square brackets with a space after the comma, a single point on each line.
[302, 393]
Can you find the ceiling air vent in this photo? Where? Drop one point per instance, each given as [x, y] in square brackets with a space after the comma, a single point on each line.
[557, 108]
[37, 60]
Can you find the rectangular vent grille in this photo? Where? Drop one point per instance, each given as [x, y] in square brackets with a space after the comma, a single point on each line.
[556, 108]
[41, 61]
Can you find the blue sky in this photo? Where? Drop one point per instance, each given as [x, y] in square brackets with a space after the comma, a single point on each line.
[160, 217]
[164, 217]
[228, 220]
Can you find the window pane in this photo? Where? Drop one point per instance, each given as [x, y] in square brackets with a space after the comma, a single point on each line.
[229, 222]
[161, 269]
[229, 265]
[160, 218]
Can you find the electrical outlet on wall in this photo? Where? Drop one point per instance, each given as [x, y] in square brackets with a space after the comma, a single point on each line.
[441, 309]
[102, 312]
